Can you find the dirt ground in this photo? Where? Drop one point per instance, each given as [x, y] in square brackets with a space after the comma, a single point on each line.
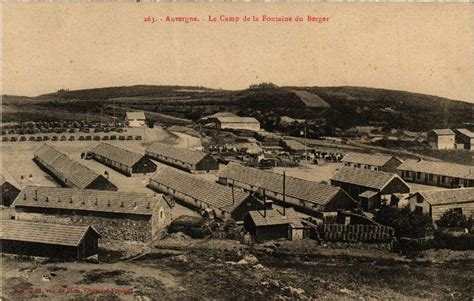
[179, 268]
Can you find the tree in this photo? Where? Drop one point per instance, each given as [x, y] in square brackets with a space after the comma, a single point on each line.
[405, 222]
[454, 219]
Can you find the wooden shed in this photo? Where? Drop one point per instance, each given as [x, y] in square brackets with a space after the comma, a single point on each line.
[185, 159]
[122, 160]
[48, 240]
[436, 202]
[372, 162]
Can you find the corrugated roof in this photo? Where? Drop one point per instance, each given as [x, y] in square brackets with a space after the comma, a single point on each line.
[216, 195]
[448, 196]
[443, 132]
[369, 159]
[466, 132]
[364, 177]
[439, 168]
[117, 154]
[309, 191]
[175, 153]
[55, 234]
[135, 115]
[77, 174]
[87, 199]
[274, 217]
[311, 100]
[237, 119]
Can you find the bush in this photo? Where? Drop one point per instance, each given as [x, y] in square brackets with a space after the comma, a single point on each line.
[405, 223]
[454, 219]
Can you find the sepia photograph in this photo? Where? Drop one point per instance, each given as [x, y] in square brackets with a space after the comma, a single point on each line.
[237, 151]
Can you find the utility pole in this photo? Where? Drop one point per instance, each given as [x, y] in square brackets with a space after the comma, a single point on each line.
[305, 151]
[284, 192]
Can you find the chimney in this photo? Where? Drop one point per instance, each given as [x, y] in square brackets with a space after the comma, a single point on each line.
[121, 204]
[70, 200]
[59, 200]
[108, 203]
[284, 193]
[95, 201]
[46, 199]
[24, 197]
[148, 206]
[36, 194]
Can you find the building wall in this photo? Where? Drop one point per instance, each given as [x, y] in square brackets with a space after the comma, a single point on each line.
[436, 211]
[38, 249]
[8, 194]
[136, 122]
[395, 186]
[440, 141]
[264, 233]
[434, 180]
[439, 210]
[124, 227]
[173, 162]
[144, 166]
[467, 141]
[127, 170]
[207, 164]
[391, 165]
[101, 183]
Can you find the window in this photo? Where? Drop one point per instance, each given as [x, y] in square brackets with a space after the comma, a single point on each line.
[443, 179]
[457, 210]
[418, 175]
[418, 210]
[430, 177]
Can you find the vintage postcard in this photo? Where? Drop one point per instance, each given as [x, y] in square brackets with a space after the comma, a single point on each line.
[237, 151]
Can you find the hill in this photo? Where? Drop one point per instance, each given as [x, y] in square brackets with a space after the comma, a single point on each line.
[329, 107]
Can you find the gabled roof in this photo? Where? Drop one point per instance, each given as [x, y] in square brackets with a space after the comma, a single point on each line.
[87, 200]
[448, 196]
[465, 132]
[443, 132]
[180, 154]
[77, 174]
[309, 191]
[439, 168]
[310, 99]
[136, 115]
[237, 119]
[369, 159]
[272, 217]
[294, 145]
[54, 234]
[117, 154]
[365, 177]
[216, 195]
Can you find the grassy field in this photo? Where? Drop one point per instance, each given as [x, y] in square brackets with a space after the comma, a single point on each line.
[223, 270]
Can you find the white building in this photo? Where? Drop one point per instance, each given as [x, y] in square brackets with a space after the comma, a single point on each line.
[135, 119]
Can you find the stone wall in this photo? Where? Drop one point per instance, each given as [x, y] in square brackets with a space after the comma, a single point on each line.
[134, 229]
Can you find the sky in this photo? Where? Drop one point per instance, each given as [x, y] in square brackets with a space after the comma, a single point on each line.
[424, 48]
